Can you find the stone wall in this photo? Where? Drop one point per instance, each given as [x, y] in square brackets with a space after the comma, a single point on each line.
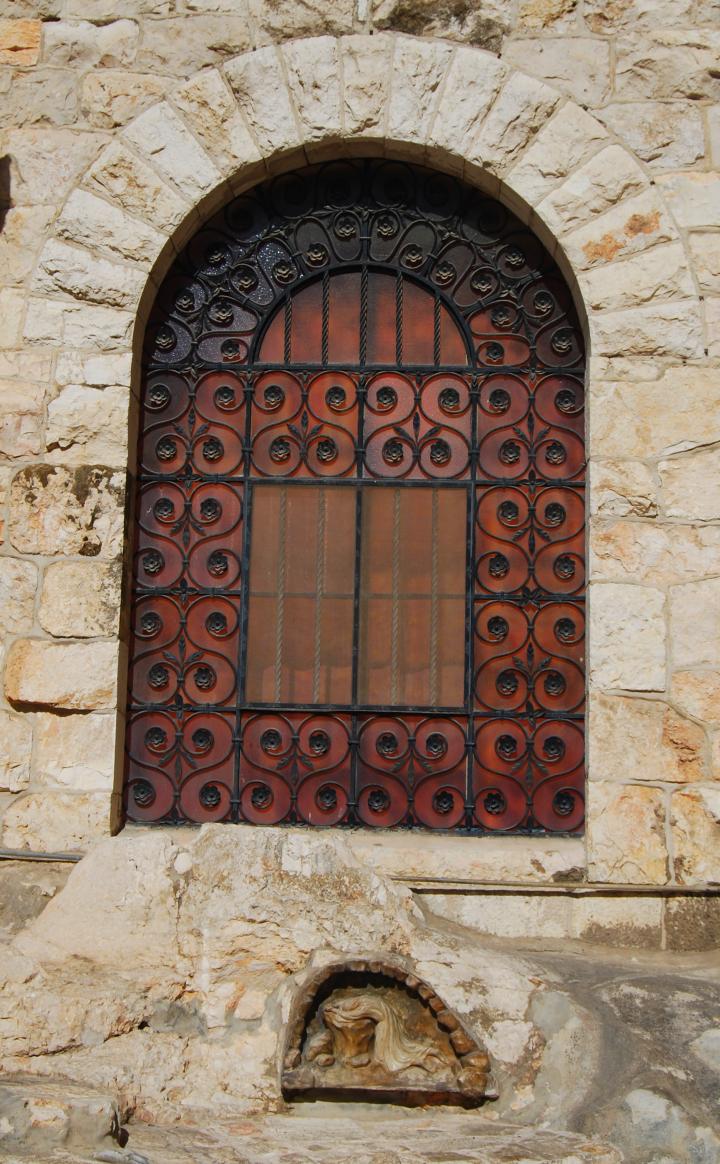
[123, 124]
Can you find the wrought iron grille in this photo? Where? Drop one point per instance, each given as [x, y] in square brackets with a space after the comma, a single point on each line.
[356, 339]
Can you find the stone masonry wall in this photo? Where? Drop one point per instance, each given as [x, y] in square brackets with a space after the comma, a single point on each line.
[122, 123]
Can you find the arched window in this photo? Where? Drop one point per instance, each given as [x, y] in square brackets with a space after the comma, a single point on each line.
[360, 520]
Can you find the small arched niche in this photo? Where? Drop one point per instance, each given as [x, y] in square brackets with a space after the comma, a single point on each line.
[372, 1030]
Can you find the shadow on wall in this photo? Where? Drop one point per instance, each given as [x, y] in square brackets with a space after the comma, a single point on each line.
[5, 199]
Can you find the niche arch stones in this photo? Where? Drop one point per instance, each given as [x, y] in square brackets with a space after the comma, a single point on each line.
[461, 109]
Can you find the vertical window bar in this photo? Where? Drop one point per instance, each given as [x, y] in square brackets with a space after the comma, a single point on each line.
[325, 355]
[355, 654]
[363, 315]
[288, 331]
[399, 320]
[280, 619]
[436, 331]
[319, 590]
[395, 601]
[434, 600]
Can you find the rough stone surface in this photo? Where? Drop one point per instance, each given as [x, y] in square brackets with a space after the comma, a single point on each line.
[67, 511]
[658, 555]
[137, 188]
[577, 66]
[695, 623]
[86, 217]
[627, 637]
[20, 42]
[639, 739]
[633, 418]
[690, 485]
[622, 489]
[16, 736]
[88, 426]
[110, 98]
[21, 417]
[18, 587]
[658, 274]
[75, 751]
[665, 135]
[698, 694]
[56, 822]
[695, 826]
[211, 112]
[626, 834]
[75, 676]
[80, 599]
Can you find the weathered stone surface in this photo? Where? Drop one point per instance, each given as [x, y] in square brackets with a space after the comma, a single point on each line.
[521, 108]
[26, 888]
[712, 326]
[668, 328]
[210, 110]
[634, 225]
[607, 178]
[693, 923]
[87, 219]
[622, 489]
[578, 66]
[698, 694]
[656, 417]
[559, 148]
[504, 915]
[12, 309]
[693, 197]
[79, 43]
[608, 921]
[41, 97]
[77, 325]
[705, 250]
[86, 276]
[20, 42]
[45, 163]
[259, 85]
[15, 751]
[5, 478]
[75, 751]
[627, 637]
[481, 24]
[281, 19]
[80, 599]
[183, 44]
[88, 426]
[56, 822]
[713, 123]
[366, 66]
[668, 62]
[20, 239]
[626, 834]
[313, 76]
[695, 828]
[665, 135]
[552, 14]
[76, 676]
[644, 739]
[418, 69]
[627, 15]
[657, 555]
[95, 370]
[137, 188]
[21, 418]
[164, 138]
[18, 585]
[695, 623]
[67, 511]
[457, 122]
[109, 99]
[690, 485]
[499, 859]
[655, 275]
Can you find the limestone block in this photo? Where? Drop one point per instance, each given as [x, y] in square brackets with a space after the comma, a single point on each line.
[12, 310]
[313, 77]
[21, 418]
[690, 484]
[470, 88]
[657, 555]
[626, 834]
[635, 740]
[661, 273]
[668, 62]
[18, 587]
[698, 693]
[85, 276]
[695, 623]
[695, 828]
[95, 370]
[657, 417]
[136, 187]
[609, 922]
[102, 10]
[21, 237]
[211, 111]
[712, 326]
[627, 637]
[366, 69]
[164, 138]
[634, 225]
[578, 65]
[289, 18]
[705, 250]
[504, 915]
[79, 43]
[28, 363]
[672, 328]
[715, 754]
[41, 97]
[109, 99]
[183, 44]
[5, 478]
[75, 676]
[663, 134]
[552, 14]
[67, 511]
[628, 15]
[607, 178]
[46, 162]
[520, 110]
[88, 426]
[693, 197]
[20, 42]
[78, 325]
[713, 120]
[693, 923]
[481, 24]
[56, 822]
[15, 750]
[622, 489]
[418, 69]
[80, 599]
[92, 222]
[259, 84]
[75, 751]
[559, 148]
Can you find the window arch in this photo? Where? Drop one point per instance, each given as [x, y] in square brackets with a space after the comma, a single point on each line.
[358, 586]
